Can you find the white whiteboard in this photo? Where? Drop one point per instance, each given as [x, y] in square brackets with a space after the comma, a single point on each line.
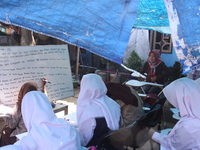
[20, 64]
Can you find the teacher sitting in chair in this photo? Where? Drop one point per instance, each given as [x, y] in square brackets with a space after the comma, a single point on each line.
[155, 71]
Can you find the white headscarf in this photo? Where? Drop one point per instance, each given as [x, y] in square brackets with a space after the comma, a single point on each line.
[184, 94]
[92, 97]
[45, 130]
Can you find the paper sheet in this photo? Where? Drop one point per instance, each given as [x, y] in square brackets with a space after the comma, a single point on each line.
[20, 136]
[165, 131]
[5, 109]
[72, 119]
[176, 113]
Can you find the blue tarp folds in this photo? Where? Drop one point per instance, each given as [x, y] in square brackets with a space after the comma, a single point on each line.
[180, 18]
[184, 20]
[102, 27]
[152, 15]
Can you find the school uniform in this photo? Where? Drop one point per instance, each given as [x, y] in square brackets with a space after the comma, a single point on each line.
[183, 94]
[93, 103]
[45, 130]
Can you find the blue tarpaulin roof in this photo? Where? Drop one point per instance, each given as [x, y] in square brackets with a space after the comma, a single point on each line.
[102, 27]
[184, 18]
[152, 15]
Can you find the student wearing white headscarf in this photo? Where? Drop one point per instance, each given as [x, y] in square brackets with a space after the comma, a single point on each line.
[45, 130]
[183, 94]
[94, 103]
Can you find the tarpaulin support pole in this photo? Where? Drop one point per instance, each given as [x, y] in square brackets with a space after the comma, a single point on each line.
[77, 62]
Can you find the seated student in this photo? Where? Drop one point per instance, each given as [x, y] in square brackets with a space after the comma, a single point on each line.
[130, 104]
[14, 123]
[96, 112]
[155, 71]
[45, 130]
[183, 94]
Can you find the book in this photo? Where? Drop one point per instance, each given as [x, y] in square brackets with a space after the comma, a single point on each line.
[5, 110]
[72, 119]
[176, 113]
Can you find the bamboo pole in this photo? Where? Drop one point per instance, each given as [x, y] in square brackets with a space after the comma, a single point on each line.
[77, 62]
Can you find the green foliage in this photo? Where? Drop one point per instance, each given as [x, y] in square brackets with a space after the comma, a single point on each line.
[134, 61]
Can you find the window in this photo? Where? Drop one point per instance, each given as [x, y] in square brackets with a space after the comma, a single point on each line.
[161, 42]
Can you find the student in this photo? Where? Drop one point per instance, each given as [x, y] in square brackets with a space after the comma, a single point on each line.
[155, 71]
[45, 130]
[130, 103]
[96, 112]
[14, 123]
[183, 94]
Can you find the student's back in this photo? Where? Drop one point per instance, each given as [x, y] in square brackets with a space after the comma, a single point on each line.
[45, 130]
[93, 103]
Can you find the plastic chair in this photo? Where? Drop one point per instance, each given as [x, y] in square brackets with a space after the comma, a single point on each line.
[161, 101]
[157, 120]
[140, 132]
[134, 135]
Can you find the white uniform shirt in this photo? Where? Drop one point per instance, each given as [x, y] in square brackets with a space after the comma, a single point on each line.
[92, 103]
[183, 94]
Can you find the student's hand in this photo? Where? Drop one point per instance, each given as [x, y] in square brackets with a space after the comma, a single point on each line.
[151, 132]
[153, 79]
[66, 119]
[44, 81]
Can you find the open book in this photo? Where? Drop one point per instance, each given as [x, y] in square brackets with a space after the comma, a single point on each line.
[71, 118]
[4, 110]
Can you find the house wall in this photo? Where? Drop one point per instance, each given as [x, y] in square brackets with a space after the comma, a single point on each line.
[169, 59]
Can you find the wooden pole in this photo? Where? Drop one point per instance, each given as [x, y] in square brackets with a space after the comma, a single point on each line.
[77, 62]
